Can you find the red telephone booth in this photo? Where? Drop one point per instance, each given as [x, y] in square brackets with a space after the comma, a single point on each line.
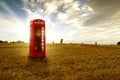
[37, 38]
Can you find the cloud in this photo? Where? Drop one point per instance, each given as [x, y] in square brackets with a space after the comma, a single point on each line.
[75, 16]
[104, 10]
[62, 15]
[95, 34]
[73, 20]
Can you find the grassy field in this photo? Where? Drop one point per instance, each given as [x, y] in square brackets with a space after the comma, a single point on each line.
[63, 62]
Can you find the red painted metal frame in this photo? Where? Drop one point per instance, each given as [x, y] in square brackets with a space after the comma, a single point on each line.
[33, 26]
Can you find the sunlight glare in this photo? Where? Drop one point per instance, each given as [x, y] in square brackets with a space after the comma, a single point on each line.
[68, 1]
[50, 33]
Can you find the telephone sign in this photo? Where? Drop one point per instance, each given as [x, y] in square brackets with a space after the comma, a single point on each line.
[39, 22]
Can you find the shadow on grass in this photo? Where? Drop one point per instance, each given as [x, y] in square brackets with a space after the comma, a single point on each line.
[37, 68]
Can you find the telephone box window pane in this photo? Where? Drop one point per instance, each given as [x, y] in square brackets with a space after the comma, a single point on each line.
[42, 44]
[42, 40]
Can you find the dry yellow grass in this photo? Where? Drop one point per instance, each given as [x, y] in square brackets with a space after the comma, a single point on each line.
[63, 62]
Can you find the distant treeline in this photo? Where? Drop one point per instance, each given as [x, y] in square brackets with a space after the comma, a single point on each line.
[118, 43]
[1, 41]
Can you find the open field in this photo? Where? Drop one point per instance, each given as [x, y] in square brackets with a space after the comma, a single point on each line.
[63, 62]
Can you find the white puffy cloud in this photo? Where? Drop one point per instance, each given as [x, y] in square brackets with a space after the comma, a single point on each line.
[68, 1]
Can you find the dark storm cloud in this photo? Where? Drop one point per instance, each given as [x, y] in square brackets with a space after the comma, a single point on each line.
[11, 8]
[103, 11]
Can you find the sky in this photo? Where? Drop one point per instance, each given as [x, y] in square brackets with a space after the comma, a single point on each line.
[74, 21]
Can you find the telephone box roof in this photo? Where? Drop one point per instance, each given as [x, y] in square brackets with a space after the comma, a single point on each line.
[38, 20]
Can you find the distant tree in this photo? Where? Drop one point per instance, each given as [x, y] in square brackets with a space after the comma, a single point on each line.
[17, 41]
[95, 43]
[53, 42]
[3, 41]
[20, 41]
[118, 43]
[61, 41]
